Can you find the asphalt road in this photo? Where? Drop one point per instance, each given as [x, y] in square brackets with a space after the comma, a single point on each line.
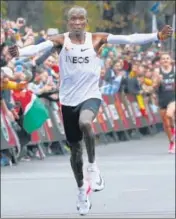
[139, 175]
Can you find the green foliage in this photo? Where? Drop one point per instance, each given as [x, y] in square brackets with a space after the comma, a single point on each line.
[3, 9]
[55, 14]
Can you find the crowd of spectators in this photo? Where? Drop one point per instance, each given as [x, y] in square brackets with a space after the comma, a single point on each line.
[124, 68]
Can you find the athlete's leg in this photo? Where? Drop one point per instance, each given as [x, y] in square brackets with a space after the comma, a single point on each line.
[166, 123]
[76, 161]
[85, 121]
[167, 128]
[74, 137]
[171, 115]
[88, 112]
[171, 112]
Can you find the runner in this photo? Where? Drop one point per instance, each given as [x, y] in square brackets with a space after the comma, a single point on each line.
[79, 89]
[171, 115]
[166, 97]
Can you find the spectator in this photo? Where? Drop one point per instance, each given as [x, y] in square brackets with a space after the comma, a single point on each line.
[2, 39]
[134, 69]
[106, 49]
[135, 84]
[108, 11]
[147, 85]
[112, 56]
[42, 37]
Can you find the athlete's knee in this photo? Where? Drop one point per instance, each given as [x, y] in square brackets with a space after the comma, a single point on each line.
[171, 110]
[85, 121]
[85, 126]
[170, 113]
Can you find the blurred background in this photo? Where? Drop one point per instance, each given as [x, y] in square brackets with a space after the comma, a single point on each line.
[123, 67]
[116, 16]
[120, 17]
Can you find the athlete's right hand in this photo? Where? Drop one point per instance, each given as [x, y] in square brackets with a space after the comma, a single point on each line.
[13, 51]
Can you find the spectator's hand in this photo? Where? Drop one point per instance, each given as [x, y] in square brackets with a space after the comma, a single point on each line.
[23, 84]
[47, 88]
[141, 92]
[158, 78]
[29, 32]
[15, 114]
[165, 33]
[13, 25]
[10, 115]
[20, 22]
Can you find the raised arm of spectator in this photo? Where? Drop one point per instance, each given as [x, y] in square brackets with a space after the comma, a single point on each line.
[11, 85]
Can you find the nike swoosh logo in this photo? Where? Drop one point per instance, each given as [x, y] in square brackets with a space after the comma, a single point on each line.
[100, 182]
[82, 50]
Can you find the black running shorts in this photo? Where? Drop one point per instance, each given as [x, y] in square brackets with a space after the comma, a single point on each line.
[71, 118]
[163, 104]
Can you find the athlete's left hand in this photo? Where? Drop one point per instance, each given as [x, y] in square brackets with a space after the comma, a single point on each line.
[165, 33]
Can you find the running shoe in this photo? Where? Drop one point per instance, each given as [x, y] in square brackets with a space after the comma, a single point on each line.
[95, 179]
[172, 148]
[83, 202]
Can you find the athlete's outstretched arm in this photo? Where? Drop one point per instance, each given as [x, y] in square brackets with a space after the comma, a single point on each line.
[35, 49]
[32, 50]
[165, 33]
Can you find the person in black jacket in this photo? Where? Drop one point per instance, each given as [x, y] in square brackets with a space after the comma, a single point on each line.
[135, 84]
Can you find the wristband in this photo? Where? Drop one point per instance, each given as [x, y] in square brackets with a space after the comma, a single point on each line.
[161, 36]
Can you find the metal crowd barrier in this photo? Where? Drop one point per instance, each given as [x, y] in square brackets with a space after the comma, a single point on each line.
[119, 113]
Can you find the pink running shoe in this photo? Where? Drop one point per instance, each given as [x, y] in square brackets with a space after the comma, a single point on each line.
[172, 148]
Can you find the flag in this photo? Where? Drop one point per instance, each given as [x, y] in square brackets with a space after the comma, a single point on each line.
[155, 8]
[141, 104]
[154, 24]
[173, 36]
[173, 27]
[34, 112]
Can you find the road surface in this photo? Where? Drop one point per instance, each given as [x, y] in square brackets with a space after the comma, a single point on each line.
[139, 175]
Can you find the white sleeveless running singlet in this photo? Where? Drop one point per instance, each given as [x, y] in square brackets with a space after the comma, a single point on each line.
[79, 72]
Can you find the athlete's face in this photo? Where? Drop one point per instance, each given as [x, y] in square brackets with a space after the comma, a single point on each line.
[165, 60]
[77, 23]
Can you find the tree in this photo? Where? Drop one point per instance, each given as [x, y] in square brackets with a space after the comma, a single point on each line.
[55, 13]
[4, 9]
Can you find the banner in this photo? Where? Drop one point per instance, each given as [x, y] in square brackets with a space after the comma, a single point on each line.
[109, 101]
[117, 113]
[122, 111]
[8, 138]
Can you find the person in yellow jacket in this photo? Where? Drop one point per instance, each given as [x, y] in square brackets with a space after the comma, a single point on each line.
[146, 82]
[7, 80]
[7, 84]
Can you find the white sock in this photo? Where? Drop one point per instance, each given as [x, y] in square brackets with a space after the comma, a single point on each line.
[83, 187]
[93, 165]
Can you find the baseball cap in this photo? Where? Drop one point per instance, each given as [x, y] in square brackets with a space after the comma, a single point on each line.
[52, 31]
